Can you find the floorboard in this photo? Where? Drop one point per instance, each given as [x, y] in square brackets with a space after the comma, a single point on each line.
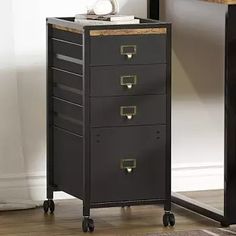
[139, 220]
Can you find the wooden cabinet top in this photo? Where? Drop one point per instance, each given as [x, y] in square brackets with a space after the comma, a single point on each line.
[228, 2]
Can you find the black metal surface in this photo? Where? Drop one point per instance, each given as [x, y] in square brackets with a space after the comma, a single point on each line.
[168, 165]
[230, 116]
[67, 65]
[127, 203]
[144, 144]
[151, 109]
[73, 112]
[68, 109]
[197, 207]
[68, 79]
[86, 127]
[69, 23]
[68, 162]
[153, 9]
[151, 49]
[106, 80]
[67, 36]
[67, 86]
[49, 118]
[67, 49]
[68, 93]
[69, 124]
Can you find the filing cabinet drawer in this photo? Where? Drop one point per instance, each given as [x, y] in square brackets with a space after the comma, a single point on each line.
[128, 163]
[142, 49]
[128, 80]
[128, 110]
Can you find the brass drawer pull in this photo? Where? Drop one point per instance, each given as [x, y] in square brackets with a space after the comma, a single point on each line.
[128, 50]
[128, 165]
[128, 111]
[128, 80]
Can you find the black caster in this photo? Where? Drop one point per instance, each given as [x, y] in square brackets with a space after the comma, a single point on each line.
[87, 225]
[224, 224]
[168, 219]
[49, 205]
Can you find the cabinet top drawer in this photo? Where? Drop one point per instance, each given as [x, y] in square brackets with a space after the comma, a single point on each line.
[128, 49]
[145, 43]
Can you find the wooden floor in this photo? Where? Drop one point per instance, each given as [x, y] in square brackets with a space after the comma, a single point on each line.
[213, 198]
[67, 218]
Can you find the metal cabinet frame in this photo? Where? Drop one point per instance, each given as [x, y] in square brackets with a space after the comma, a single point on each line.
[68, 25]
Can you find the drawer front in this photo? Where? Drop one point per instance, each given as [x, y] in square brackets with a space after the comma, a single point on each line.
[128, 80]
[128, 110]
[128, 163]
[143, 49]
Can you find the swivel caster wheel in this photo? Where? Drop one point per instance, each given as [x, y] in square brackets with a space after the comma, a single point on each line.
[168, 219]
[224, 224]
[48, 205]
[87, 225]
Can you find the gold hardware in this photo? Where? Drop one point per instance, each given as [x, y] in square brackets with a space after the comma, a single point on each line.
[129, 55]
[128, 111]
[128, 165]
[128, 50]
[128, 80]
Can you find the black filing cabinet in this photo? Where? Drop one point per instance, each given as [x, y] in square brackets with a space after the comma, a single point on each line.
[109, 115]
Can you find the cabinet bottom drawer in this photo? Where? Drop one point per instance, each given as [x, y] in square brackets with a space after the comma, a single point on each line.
[128, 163]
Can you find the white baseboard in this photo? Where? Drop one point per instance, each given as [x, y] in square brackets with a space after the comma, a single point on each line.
[13, 186]
[195, 177]
[186, 177]
[31, 186]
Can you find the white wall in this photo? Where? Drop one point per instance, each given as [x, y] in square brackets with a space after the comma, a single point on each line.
[11, 152]
[22, 89]
[196, 160]
[197, 93]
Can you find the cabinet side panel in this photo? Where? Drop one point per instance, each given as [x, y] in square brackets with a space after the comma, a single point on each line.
[68, 162]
